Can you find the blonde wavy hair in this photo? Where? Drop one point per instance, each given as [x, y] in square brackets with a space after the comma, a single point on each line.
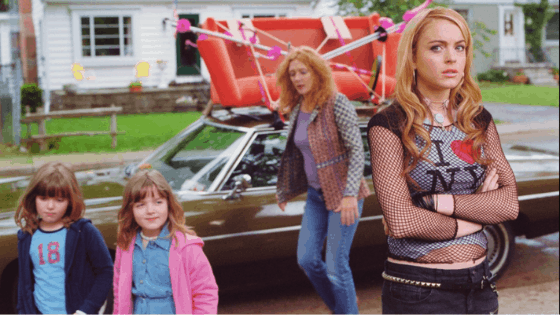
[53, 180]
[323, 83]
[139, 187]
[466, 97]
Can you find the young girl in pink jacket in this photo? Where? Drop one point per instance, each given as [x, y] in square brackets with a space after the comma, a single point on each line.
[159, 266]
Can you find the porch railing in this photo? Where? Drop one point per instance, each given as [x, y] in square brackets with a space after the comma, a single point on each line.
[521, 56]
[11, 79]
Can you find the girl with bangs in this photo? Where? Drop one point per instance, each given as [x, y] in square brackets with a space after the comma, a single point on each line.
[64, 264]
[324, 157]
[160, 267]
[439, 173]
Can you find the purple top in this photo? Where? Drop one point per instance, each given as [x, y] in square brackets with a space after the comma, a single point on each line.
[302, 143]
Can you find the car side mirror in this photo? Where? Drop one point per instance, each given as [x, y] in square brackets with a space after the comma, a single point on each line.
[242, 182]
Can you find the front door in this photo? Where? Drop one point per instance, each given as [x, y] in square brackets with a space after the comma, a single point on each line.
[512, 48]
[188, 57]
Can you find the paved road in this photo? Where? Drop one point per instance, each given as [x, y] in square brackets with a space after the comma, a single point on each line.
[522, 113]
[529, 286]
[533, 127]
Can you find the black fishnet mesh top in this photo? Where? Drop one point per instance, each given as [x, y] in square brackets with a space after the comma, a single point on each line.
[420, 235]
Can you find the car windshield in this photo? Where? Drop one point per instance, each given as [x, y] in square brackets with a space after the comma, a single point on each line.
[194, 159]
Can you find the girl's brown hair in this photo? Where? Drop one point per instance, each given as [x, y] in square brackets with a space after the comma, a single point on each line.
[138, 187]
[54, 180]
[466, 97]
[323, 83]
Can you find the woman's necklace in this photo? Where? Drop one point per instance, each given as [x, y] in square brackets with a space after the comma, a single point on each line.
[439, 118]
[144, 237]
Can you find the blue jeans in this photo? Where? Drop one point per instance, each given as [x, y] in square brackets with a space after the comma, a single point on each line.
[332, 279]
[400, 298]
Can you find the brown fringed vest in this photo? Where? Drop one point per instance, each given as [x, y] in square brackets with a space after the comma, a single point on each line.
[332, 149]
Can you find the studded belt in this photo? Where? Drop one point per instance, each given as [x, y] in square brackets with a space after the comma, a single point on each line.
[443, 285]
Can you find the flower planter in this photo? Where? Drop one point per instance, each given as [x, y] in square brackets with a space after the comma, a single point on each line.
[556, 77]
[135, 89]
[523, 79]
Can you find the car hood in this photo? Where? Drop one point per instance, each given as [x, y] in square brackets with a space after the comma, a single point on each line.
[103, 188]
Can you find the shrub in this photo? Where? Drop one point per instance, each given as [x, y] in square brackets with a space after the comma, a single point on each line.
[135, 83]
[554, 71]
[31, 95]
[493, 75]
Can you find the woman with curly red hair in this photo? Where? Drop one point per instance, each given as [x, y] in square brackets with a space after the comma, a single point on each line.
[323, 157]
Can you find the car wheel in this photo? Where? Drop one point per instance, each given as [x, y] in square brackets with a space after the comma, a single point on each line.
[501, 247]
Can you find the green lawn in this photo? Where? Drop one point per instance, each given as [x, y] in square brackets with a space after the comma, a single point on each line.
[148, 131]
[143, 131]
[519, 94]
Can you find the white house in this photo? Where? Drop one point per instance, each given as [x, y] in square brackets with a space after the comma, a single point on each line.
[508, 45]
[108, 38]
[9, 27]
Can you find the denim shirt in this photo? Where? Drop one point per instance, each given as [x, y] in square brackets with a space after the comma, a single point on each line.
[151, 281]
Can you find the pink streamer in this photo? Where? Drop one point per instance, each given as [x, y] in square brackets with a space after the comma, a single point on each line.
[408, 15]
[228, 34]
[183, 25]
[189, 43]
[274, 52]
[342, 43]
[386, 22]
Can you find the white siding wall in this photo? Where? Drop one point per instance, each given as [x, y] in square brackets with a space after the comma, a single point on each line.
[57, 48]
[37, 14]
[153, 43]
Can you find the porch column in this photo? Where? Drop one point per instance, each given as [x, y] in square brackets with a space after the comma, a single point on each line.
[5, 42]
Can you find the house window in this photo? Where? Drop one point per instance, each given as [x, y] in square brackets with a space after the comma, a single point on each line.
[552, 28]
[508, 23]
[262, 15]
[106, 36]
[15, 46]
[464, 13]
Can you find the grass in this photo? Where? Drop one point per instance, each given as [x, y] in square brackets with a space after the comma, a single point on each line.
[511, 93]
[143, 132]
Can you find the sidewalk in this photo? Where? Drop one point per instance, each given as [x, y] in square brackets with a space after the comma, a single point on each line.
[518, 119]
[80, 162]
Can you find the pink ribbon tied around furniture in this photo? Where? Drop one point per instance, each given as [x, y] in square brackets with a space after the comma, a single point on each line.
[386, 22]
[274, 52]
[183, 25]
[409, 14]
[189, 43]
[228, 34]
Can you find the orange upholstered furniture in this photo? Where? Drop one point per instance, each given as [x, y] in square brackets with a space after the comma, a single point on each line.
[234, 78]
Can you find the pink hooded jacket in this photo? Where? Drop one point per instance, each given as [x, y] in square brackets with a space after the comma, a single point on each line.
[194, 287]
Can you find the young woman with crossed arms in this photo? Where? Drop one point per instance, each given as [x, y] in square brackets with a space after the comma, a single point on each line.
[439, 173]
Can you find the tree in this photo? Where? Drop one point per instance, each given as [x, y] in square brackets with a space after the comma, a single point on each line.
[537, 16]
[393, 9]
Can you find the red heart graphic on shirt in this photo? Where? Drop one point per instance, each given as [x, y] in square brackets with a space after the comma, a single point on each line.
[463, 150]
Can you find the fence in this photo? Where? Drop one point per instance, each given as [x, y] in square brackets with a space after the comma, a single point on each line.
[504, 56]
[11, 79]
[40, 118]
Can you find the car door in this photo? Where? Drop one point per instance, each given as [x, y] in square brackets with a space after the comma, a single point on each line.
[248, 225]
[251, 226]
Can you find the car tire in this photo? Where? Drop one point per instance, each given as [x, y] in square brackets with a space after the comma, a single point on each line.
[501, 247]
